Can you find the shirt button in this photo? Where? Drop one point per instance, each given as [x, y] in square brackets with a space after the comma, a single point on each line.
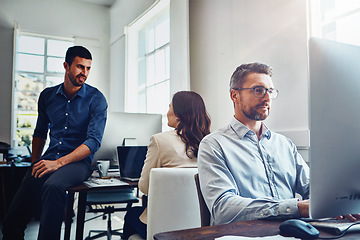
[68, 100]
[65, 127]
[66, 114]
[58, 153]
[60, 142]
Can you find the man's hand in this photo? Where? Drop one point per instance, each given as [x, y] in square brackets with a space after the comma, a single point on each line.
[45, 166]
[303, 207]
[304, 211]
[350, 217]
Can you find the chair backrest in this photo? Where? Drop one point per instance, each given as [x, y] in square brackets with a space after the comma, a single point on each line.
[172, 200]
[204, 210]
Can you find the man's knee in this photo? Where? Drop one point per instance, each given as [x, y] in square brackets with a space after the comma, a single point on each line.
[53, 189]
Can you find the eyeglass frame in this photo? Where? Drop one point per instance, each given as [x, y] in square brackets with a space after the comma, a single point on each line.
[270, 90]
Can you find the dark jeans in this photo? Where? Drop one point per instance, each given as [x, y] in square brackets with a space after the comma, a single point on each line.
[133, 224]
[49, 192]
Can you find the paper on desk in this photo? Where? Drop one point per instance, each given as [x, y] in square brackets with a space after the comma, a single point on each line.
[276, 237]
[98, 182]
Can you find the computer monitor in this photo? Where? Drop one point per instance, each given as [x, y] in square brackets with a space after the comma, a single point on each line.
[138, 127]
[334, 128]
[131, 161]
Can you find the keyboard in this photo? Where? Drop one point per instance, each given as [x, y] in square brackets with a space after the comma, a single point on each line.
[337, 226]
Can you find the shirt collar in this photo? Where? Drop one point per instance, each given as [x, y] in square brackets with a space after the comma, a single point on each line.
[241, 130]
[80, 93]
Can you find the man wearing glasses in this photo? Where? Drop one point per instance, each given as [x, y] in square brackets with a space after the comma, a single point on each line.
[246, 171]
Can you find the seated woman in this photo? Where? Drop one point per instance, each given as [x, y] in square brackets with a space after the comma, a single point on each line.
[178, 148]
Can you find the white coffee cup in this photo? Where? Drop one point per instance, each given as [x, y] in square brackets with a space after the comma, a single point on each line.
[103, 167]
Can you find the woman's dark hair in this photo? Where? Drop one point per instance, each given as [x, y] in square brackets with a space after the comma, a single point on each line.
[194, 122]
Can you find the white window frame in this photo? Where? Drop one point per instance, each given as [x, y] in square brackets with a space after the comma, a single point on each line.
[132, 41]
[316, 23]
[45, 74]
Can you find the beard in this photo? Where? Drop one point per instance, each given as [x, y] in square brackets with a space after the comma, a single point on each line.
[74, 81]
[255, 113]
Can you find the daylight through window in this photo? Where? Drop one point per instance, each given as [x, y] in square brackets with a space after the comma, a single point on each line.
[39, 64]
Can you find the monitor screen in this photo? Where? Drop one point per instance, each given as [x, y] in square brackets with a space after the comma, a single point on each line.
[334, 128]
[131, 161]
[137, 127]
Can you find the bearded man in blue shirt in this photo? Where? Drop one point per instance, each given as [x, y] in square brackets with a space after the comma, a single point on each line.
[246, 171]
[75, 114]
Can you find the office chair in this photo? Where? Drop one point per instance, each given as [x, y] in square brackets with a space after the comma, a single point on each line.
[204, 210]
[106, 197]
[172, 200]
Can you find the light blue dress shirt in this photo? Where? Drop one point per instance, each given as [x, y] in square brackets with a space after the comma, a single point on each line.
[72, 122]
[243, 178]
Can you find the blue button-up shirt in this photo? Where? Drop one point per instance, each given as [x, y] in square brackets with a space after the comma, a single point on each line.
[72, 122]
[243, 178]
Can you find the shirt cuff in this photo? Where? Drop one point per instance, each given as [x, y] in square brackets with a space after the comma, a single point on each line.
[289, 208]
[92, 145]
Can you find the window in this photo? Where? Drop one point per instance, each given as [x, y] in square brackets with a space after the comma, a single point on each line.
[336, 20]
[38, 64]
[148, 62]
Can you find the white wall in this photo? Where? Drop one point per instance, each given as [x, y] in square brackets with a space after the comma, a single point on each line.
[227, 33]
[122, 13]
[89, 23]
[223, 35]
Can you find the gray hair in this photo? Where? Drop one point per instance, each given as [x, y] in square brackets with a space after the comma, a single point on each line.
[238, 77]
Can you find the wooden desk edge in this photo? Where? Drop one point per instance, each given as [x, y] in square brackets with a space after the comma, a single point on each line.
[255, 228]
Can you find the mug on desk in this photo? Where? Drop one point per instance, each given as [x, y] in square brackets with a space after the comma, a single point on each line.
[103, 167]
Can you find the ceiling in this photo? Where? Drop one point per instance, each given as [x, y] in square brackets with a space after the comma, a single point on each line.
[106, 3]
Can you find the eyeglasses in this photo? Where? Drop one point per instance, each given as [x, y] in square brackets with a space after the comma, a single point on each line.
[261, 91]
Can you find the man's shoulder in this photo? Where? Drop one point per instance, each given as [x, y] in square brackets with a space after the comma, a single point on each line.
[224, 132]
[278, 137]
[51, 88]
[94, 92]
[49, 91]
[92, 89]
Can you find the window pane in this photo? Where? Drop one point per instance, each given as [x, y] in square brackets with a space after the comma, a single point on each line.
[29, 82]
[27, 101]
[24, 136]
[150, 70]
[26, 119]
[30, 63]
[55, 65]
[142, 72]
[142, 43]
[150, 46]
[158, 98]
[54, 80]
[333, 8]
[58, 48]
[160, 66]
[162, 33]
[29, 44]
[348, 29]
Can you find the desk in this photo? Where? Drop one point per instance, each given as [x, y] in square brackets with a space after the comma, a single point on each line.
[83, 189]
[256, 228]
[11, 176]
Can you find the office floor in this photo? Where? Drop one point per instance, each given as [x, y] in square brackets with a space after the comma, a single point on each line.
[117, 221]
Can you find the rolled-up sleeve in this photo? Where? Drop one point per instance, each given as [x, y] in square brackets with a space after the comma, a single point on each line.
[42, 123]
[98, 116]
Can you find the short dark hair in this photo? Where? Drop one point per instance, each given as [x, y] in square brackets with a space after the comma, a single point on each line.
[238, 77]
[76, 51]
